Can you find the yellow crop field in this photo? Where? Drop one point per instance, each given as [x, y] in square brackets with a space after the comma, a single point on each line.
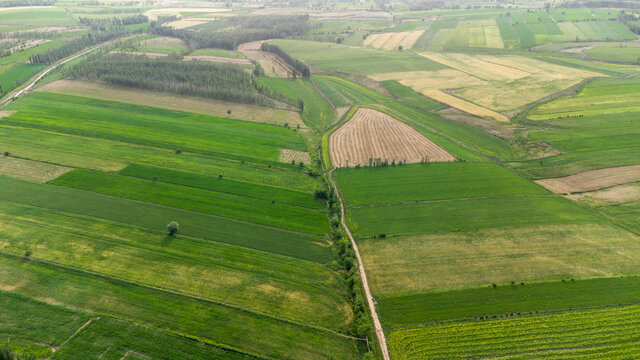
[391, 41]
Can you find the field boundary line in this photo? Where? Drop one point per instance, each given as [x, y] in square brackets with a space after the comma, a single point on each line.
[230, 193]
[76, 332]
[450, 200]
[530, 313]
[114, 279]
[365, 284]
[319, 236]
[323, 95]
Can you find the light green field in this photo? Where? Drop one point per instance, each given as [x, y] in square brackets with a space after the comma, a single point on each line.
[482, 257]
[627, 54]
[279, 285]
[215, 323]
[35, 16]
[461, 215]
[216, 203]
[216, 52]
[435, 181]
[606, 333]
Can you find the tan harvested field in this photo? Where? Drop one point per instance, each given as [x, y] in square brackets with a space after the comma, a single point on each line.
[476, 67]
[272, 64]
[477, 258]
[184, 23]
[498, 83]
[592, 180]
[149, 54]
[465, 106]
[25, 8]
[30, 170]
[163, 41]
[373, 134]
[616, 194]
[391, 41]
[287, 156]
[154, 13]
[219, 59]
[175, 102]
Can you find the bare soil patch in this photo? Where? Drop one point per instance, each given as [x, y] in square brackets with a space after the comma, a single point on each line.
[219, 59]
[288, 156]
[373, 134]
[163, 41]
[592, 180]
[272, 64]
[175, 102]
[140, 53]
[184, 23]
[30, 170]
[616, 194]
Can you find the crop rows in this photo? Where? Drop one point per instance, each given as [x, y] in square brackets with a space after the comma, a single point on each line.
[567, 335]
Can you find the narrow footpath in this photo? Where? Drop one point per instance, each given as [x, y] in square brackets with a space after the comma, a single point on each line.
[365, 284]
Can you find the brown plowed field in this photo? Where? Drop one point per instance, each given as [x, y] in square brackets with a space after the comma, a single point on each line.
[592, 180]
[373, 134]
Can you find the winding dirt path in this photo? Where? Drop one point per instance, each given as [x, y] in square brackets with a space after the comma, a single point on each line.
[17, 93]
[365, 284]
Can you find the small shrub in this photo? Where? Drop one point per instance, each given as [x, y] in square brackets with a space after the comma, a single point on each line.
[173, 228]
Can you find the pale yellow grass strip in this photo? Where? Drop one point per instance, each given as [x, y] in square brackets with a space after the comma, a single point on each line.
[31, 170]
[493, 38]
[463, 105]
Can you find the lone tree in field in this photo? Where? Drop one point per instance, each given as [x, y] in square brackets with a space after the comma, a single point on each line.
[172, 227]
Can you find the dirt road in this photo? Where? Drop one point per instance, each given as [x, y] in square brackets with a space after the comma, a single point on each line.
[19, 92]
[365, 285]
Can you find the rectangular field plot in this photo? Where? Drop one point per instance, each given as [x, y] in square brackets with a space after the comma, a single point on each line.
[610, 333]
[283, 286]
[213, 322]
[161, 128]
[433, 181]
[460, 215]
[479, 258]
[227, 205]
[30, 170]
[421, 309]
[156, 217]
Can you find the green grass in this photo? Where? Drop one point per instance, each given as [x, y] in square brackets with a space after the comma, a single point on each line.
[18, 74]
[156, 127]
[433, 181]
[182, 197]
[317, 112]
[223, 185]
[601, 333]
[108, 155]
[161, 49]
[627, 214]
[218, 324]
[44, 16]
[622, 54]
[277, 285]
[413, 264]
[409, 95]
[110, 339]
[29, 321]
[23, 56]
[359, 61]
[459, 215]
[425, 308]
[156, 218]
[336, 98]
[217, 52]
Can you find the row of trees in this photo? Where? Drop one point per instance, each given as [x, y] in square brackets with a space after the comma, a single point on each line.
[221, 81]
[628, 18]
[300, 67]
[246, 29]
[107, 23]
[71, 47]
[14, 3]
